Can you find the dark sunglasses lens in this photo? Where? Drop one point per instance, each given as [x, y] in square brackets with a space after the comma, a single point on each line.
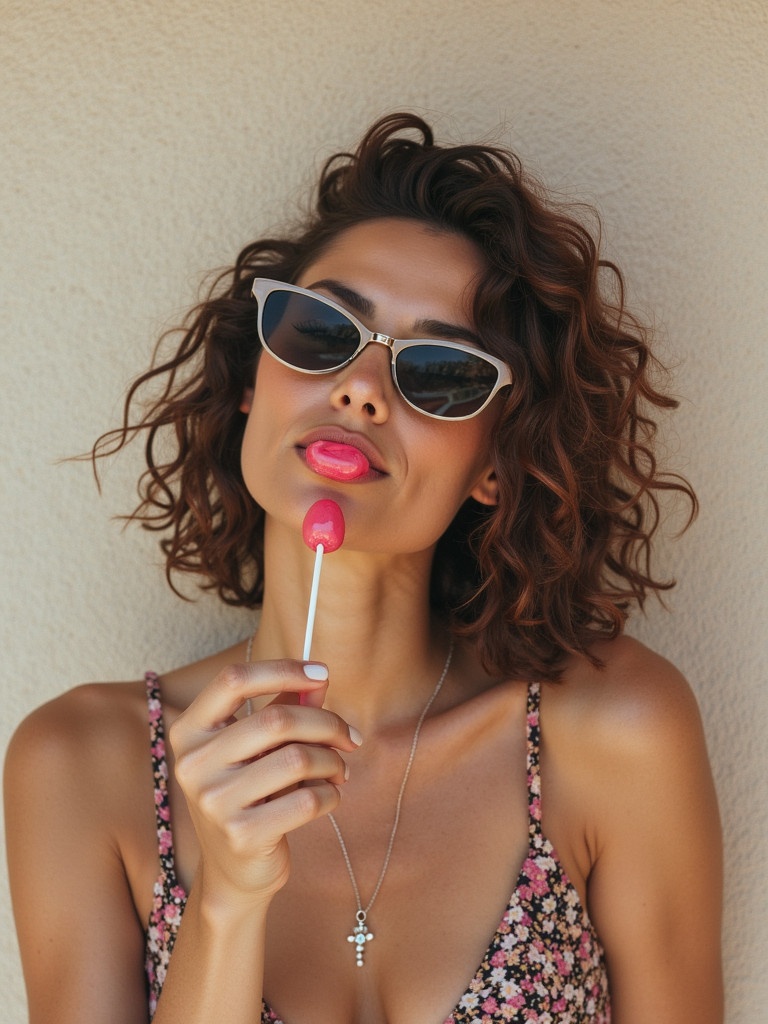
[305, 333]
[445, 381]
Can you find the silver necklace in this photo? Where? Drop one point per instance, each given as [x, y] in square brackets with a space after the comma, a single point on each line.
[360, 934]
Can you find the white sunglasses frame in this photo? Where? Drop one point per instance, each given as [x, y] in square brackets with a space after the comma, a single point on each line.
[263, 287]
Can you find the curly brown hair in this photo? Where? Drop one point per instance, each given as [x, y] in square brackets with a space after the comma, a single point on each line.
[556, 563]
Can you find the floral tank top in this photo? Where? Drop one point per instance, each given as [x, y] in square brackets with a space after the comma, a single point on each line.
[544, 964]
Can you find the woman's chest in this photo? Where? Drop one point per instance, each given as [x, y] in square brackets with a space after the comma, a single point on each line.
[441, 890]
[434, 891]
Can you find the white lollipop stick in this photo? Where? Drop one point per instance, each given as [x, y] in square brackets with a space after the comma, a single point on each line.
[313, 602]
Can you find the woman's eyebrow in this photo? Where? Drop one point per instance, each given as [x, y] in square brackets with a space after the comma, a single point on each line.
[364, 307]
[346, 296]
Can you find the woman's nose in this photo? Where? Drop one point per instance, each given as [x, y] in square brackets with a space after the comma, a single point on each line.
[365, 386]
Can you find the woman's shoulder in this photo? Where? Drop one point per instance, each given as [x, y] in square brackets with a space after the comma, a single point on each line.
[94, 729]
[626, 726]
[94, 722]
[634, 696]
[624, 758]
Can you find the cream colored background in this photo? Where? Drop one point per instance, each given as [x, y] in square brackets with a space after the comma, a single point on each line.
[144, 143]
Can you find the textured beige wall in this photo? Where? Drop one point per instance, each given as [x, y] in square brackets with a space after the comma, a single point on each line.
[143, 143]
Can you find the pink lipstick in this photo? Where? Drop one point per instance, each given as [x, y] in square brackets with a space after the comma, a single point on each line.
[336, 461]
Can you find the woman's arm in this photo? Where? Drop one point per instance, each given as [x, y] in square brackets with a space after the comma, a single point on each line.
[79, 934]
[78, 787]
[655, 889]
[242, 780]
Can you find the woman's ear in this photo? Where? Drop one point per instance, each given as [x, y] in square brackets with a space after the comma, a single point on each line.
[486, 490]
[246, 401]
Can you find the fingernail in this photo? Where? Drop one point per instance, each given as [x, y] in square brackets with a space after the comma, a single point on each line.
[355, 736]
[314, 670]
[346, 773]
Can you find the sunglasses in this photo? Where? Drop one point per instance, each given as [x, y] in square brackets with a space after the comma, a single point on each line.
[307, 332]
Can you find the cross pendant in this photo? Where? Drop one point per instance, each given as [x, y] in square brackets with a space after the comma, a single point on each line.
[360, 935]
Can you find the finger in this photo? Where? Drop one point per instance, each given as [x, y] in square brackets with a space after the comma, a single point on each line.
[293, 810]
[270, 778]
[235, 684]
[268, 729]
[293, 764]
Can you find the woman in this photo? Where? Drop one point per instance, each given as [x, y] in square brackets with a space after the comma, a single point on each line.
[347, 828]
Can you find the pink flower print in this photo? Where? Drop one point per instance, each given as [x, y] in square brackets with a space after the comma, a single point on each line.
[498, 959]
[178, 893]
[537, 953]
[563, 967]
[172, 916]
[490, 1005]
[165, 840]
[537, 877]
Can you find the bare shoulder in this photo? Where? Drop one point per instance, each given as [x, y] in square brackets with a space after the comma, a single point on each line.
[92, 711]
[96, 722]
[635, 704]
[614, 739]
[95, 731]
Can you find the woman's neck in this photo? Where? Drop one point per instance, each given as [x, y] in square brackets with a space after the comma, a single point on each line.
[373, 629]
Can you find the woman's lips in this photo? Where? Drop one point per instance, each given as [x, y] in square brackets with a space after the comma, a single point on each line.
[336, 461]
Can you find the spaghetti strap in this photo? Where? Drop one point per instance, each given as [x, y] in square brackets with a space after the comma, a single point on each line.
[533, 738]
[160, 775]
[168, 898]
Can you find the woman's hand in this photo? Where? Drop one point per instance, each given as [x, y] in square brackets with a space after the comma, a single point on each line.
[250, 781]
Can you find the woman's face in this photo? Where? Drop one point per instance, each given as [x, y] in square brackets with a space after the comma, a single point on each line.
[401, 278]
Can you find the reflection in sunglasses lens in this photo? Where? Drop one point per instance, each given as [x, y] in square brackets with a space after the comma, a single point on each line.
[444, 381]
[306, 333]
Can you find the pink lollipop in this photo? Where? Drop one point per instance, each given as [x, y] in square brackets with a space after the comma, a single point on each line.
[323, 530]
[324, 524]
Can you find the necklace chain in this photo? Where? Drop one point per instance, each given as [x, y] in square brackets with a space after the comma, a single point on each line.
[360, 934]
